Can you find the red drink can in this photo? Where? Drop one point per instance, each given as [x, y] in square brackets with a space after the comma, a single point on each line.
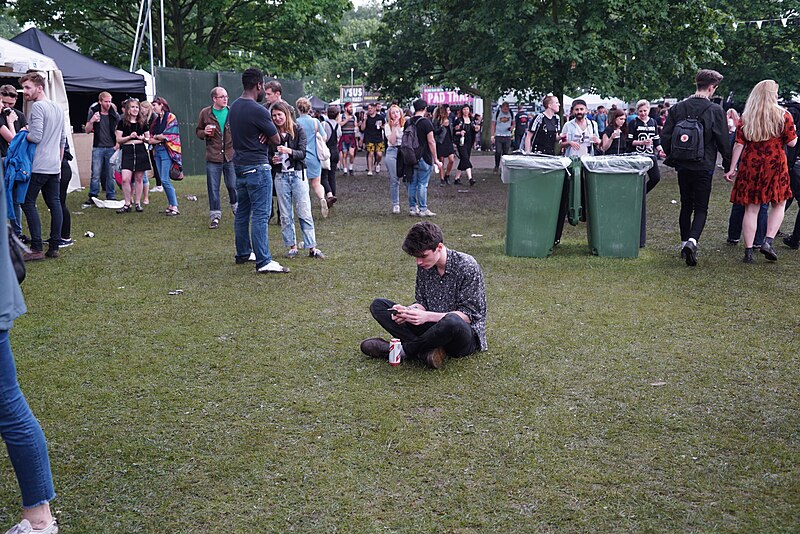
[394, 351]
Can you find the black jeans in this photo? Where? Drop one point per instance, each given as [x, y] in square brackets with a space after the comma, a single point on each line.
[66, 176]
[502, 146]
[329, 178]
[49, 185]
[794, 174]
[452, 333]
[695, 187]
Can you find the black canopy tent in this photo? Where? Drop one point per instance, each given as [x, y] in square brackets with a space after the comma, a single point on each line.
[84, 77]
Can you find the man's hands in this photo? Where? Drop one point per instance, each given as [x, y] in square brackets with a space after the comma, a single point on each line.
[411, 315]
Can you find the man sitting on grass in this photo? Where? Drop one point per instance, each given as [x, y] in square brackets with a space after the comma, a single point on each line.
[448, 317]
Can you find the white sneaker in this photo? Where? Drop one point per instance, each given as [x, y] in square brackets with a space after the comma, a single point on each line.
[377, 169]
[24, 527]
[396, 209]
[369, 173]
[413, 212]
[157, 189]
[323, 207]
[426, 213]
[272, 267]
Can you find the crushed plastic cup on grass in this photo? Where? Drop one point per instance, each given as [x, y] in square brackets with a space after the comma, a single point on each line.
[673, 201]
[176, 292]
[192, 198]
[88, 234]
[476, 235]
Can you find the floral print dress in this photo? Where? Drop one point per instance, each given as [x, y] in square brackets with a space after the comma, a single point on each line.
[763, 173]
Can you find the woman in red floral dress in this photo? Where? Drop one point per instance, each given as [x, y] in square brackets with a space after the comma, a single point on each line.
[763, 175]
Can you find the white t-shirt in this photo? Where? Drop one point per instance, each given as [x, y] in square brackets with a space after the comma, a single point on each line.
[582, 136]
[398, 130]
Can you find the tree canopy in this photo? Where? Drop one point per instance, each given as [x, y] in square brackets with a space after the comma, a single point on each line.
[287, 35]
[613, 47]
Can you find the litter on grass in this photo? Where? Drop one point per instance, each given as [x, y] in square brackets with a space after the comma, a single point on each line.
[658, 384]
[476, 235]
[176, 292]
[88, 234]
[191, 198]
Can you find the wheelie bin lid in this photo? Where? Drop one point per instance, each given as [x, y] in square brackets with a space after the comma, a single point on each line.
[622, 164]
[536, 162]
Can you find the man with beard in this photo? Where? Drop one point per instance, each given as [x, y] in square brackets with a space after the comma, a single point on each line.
[250, 123]
[581, 133]
[347, 142]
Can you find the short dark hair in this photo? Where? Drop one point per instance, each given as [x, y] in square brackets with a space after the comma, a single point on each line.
[419, 105]
[274, 86]
[251, 78]
[333, 111]
[706, 78]
[421, 237]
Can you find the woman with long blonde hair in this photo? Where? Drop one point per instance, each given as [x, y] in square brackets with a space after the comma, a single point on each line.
[393, 130]
[762, 175]
[132, 133]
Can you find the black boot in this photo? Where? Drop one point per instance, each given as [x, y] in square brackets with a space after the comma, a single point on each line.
[748, 255]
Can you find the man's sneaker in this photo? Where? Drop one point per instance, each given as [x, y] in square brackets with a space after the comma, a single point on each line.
[272, 267]
[426, 213]
[413, 212]
[52, 252]
[240, 261]
[435, 358]
[690, 253]
[24, 527]
[791, 243]
[316, 253]
[68, 242]
[214, 224]
[376, 347]
[396, 209]
[33, 255]
[732, 241]
[291, 253]
[157, 189]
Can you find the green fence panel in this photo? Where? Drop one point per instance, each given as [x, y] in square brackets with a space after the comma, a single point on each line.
[189, 91]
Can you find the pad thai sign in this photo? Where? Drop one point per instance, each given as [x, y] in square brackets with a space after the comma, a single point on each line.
[435, 96]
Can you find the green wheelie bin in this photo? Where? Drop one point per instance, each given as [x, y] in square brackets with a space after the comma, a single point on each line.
[534, 197]
[613, 203]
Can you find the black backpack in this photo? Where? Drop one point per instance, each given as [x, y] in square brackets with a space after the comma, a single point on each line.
[332, 130]
[410, 148]
[688, 139]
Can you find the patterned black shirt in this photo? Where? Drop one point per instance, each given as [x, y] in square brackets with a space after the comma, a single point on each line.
[459, 289]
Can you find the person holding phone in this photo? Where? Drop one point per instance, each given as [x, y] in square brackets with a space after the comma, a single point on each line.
[448, 316]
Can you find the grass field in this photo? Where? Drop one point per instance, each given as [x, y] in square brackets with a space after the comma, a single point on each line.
[244, 404]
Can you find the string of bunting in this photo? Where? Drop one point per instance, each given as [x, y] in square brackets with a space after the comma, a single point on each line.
[789, 20]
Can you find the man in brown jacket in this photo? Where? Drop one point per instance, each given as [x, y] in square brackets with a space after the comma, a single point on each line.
[214, 129]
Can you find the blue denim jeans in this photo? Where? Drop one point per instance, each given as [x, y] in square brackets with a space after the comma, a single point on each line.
[292, 189]
[23, 435]
[254, 191]
[215, 171]
[164, 163]
[418, 186]
[50, 186]
[394, 180]
[101, 171]
[735, 224]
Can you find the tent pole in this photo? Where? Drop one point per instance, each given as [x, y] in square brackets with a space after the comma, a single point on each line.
[163, 40]
[150, 27]
[134, 54]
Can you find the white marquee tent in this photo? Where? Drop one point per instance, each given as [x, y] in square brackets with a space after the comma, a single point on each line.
[16, 60]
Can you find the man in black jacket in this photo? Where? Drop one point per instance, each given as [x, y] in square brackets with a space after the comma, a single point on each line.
[694, 177]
